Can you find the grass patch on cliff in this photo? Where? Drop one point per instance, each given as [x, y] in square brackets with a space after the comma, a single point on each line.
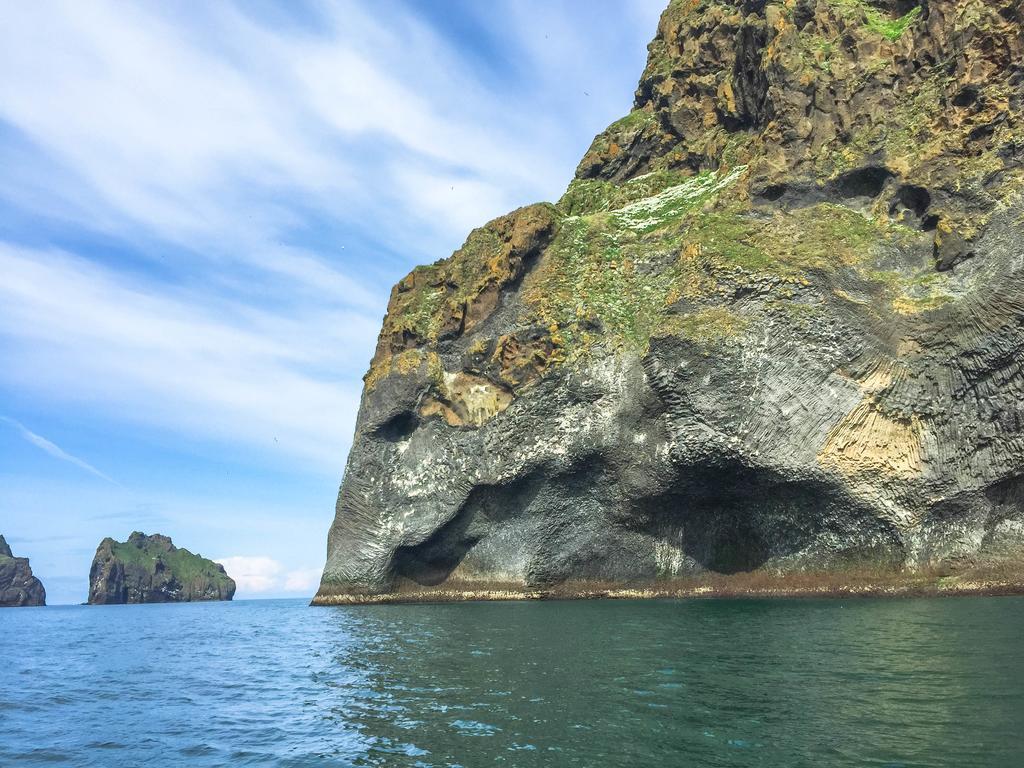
[185, 565]
[709, 327]
[602, 280]
[418, 312]
[593, 282]
[890, 28]
[635, 121]
[611, 274]
[789, 245]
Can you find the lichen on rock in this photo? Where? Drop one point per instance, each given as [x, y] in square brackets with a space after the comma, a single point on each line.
[772, 327]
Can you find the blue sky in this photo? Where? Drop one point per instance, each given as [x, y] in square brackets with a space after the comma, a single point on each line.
[202, 209]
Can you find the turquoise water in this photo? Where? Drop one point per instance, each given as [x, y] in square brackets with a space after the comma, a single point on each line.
[700, 683]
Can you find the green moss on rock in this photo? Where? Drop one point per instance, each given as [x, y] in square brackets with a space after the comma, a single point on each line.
[609, 275]
[150, 569]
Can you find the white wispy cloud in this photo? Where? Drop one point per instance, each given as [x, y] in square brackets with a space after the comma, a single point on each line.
[187, 127]
[203, 208]
[53, 449]
[215, 370]
[172, 133]
[209, 146]
[305, 580]
[255, 575]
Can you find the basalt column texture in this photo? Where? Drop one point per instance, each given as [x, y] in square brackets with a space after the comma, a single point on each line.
[769, 341]
[150, 569]
[18, 587]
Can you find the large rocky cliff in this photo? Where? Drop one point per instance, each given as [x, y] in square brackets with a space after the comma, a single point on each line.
[18, 587]
[150, 569]
[771, 338]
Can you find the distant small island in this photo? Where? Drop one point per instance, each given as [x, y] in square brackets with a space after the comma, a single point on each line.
[18, 587]
[150, 569]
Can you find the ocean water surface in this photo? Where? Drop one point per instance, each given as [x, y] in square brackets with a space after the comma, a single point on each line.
[922, 682]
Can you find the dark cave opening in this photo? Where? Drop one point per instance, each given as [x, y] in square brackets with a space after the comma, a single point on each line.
[863, 182]
[728, 517]
[967, 96]
[913, 202]
[773, 193]
[432, 561]
[399, 426]
[915, 199]
[734, 518]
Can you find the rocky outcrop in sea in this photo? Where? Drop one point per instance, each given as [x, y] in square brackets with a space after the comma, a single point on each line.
[150, 569]
[769, 340]
[18, 587]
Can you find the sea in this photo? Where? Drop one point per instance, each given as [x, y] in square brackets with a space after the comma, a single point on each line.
[899, 683]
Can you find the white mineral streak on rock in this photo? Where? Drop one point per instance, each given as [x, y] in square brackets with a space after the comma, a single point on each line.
[651, 211]
[668, 558]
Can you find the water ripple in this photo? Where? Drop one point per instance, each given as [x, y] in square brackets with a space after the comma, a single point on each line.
[707, 683]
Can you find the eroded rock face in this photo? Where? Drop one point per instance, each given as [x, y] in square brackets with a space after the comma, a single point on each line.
[150, 569]
[774, 326]
[18, 587]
